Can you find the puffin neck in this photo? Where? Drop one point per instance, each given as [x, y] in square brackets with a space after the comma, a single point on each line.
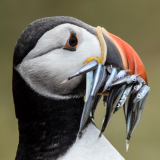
[51, 135]
[47, 127]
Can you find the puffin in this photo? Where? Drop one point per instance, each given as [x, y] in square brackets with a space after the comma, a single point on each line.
[61, 68]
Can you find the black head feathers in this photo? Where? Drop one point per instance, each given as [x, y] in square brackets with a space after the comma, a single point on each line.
[36, 29]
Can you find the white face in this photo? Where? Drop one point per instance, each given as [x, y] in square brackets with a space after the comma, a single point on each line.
[48, 64]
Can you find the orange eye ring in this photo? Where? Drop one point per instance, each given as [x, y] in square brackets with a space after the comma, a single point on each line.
[71, 43]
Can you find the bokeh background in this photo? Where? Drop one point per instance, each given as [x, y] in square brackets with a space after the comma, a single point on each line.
[136, 21]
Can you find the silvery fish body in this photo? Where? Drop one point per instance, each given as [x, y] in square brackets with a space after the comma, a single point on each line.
[90, 66]
[110, 79]
[125, 80]
[137, 87]
[141, 94]
[120, 75]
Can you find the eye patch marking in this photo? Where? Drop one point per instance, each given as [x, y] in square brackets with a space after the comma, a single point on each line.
[72, 42]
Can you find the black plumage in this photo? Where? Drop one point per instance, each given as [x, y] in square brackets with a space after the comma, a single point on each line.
[47, 127]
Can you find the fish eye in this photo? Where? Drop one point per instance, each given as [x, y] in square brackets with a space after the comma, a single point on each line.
[134, 79]
[135, 87]
[139, 96]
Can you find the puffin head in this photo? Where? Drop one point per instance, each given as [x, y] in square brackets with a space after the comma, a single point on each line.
[51, 49]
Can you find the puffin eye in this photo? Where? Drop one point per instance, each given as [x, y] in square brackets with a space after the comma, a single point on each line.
[72, 42]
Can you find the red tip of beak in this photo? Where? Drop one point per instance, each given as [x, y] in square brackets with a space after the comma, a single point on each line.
[130, 59]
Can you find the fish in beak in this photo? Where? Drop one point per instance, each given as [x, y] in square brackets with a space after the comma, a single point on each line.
[118, 74]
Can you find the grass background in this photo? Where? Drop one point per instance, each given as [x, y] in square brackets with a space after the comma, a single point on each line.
[137, 22]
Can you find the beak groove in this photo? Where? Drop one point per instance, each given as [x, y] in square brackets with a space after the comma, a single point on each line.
[102, 44]
[121, 55]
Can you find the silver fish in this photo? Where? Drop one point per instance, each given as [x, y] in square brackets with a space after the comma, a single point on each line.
[121, 74]
[130, 119]
[125, 80]
[96, 101]
[108, 109]
[110, 79]
[90, 66]
[89, 83]
[140, 110]
[109, 69]
[111, 104]
[134, 116]
[141, 94]
[124, 97]
[141, 80]
[137, 87]
[90, 101]
[103, 78]
[125, 108]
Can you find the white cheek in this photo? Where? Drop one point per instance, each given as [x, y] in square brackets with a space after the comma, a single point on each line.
[89, 47]
[45, 72]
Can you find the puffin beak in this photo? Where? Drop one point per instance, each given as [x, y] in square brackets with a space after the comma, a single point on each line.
[114, 52]
[121, 55]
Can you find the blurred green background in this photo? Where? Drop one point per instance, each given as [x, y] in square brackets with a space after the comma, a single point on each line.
[136, 21]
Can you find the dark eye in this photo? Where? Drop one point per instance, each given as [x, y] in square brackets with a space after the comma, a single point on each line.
[72, 42]
[120, 76]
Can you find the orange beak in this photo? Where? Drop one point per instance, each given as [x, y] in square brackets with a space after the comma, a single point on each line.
[122, 55]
